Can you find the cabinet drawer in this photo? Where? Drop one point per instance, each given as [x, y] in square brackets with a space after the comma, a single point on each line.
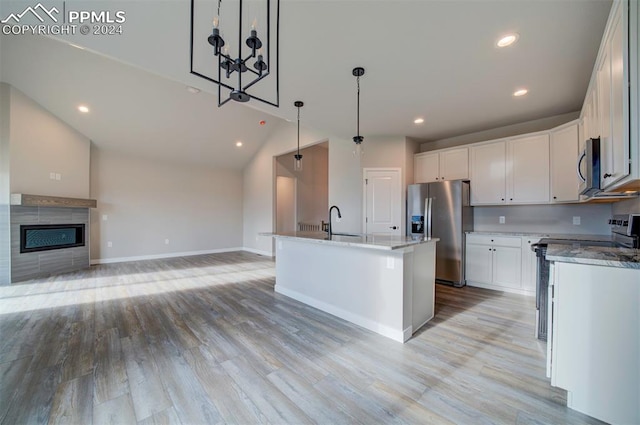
[513, 241]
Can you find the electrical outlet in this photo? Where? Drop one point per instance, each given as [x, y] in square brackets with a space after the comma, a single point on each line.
[502, 219]
[105, 217]
[576, 220]
[338, 219]
[109, 244]
[58, 176]
[166, 241]
[391, 263]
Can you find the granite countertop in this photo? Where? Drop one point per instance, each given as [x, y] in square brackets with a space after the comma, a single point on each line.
[595, 255]
[569, 236]
[383, 242]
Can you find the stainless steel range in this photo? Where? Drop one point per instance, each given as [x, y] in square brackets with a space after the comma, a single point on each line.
[625, 233]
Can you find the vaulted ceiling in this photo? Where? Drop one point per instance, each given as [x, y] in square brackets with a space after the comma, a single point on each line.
[431, 59]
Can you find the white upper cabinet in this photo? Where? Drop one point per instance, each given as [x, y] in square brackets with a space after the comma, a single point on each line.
[488, 173]
[449, 164]
[564, 154]
[607, 112]
[528, 170]
[454, 164]
[511, 172]
[426, 168]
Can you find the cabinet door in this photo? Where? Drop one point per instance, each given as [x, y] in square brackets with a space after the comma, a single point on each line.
[507, 266]
[529, 264]
[619, 105]
[564, 156]
[488, 174]
[426, 168]
[478, 264]
[603, 76]
[528, 170]
[454, 164]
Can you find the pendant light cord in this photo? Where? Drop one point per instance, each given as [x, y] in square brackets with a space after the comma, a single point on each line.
[298, 130]
[358, 119]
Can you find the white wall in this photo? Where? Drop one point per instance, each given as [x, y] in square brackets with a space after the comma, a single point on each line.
[259, 184]
[42, 144]
[146, 201]
[544, 218]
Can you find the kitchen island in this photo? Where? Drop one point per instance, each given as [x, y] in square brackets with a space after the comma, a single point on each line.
[383, 283]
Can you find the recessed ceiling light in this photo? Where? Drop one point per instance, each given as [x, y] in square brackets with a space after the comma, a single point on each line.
[84, 109]
[418, 121]
[239, 144]
[193, 90]
[520, 92]
[507, 40]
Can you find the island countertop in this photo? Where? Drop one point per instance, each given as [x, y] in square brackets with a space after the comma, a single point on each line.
[383, 242]
[595, 255]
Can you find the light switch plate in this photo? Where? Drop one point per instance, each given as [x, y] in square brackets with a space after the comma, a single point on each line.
[105, 217]
[391, 263]
[109, 244]
[576, 220]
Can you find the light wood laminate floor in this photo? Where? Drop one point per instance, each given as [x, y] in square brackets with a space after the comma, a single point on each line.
[205, 340]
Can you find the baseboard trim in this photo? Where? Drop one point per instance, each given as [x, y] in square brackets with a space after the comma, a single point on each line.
[501, 288]
[258, 251]
[161, 256]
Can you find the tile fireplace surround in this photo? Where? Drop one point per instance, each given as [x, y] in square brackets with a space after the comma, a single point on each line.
[30, 265]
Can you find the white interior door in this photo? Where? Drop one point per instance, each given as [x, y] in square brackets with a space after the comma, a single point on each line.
[383, 201]
[285, 204]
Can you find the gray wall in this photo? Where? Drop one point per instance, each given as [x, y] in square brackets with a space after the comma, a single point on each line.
[198, 209]
[312, 182]
[631, 206]
[345, 187]
[42, 144]
[5, 250]
[544, 218]
[499, 132]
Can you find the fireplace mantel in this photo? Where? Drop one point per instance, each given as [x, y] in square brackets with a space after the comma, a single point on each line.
[50, 201]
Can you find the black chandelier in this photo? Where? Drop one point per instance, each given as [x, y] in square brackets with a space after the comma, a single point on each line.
[297, 158]
[242, 69]
[358, 72]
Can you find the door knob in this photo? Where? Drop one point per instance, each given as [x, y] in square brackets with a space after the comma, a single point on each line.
[393, 227]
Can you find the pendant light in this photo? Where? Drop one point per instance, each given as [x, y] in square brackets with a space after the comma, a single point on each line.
[297, 158]
[358, 151]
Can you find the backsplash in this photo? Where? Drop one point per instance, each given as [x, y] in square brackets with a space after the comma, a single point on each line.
[632, 206]
[544, 218]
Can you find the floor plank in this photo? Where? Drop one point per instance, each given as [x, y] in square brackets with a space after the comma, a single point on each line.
[205, 339]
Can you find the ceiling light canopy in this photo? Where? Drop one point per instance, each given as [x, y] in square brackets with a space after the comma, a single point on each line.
[507, 40]
[83, 108]
[520, 92]
[418, 121]
[244, 58]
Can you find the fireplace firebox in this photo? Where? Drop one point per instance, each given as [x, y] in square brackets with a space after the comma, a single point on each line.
[45, 237]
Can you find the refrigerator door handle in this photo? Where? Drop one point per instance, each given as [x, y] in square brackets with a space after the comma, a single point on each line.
[428, 202]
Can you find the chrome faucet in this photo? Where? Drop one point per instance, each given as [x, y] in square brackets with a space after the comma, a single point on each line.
[339, 216]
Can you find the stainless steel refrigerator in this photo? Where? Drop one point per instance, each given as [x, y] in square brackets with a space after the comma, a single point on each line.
[442, 210]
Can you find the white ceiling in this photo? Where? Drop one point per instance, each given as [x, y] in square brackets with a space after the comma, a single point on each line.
[433, 59]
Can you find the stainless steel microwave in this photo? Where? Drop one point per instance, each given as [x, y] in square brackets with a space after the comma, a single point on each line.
[589, 168]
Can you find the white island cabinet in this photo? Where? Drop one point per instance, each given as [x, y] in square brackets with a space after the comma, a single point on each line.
[383, 283]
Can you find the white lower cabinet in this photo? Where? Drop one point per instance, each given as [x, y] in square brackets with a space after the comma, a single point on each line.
[529, 265]
[595, 342]
[494, 262]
